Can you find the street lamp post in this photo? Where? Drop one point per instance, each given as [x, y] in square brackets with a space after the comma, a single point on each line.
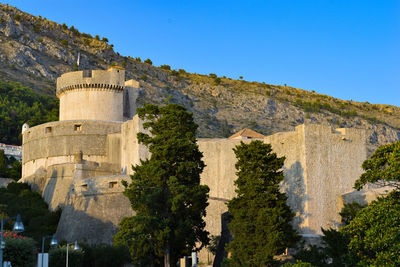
[18, 228]
[76, 247]
[53, 242]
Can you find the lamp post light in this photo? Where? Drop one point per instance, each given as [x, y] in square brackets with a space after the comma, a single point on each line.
[53, 242]
[18, 228]
[76, 247]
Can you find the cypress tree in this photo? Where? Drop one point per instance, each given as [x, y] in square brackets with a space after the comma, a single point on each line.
[165, 190]
[260, 218]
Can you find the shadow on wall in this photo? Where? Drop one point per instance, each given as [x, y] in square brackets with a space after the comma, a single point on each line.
[77, 225]
[294, 187]
[48, 192]
[225, 239]
[37, 180]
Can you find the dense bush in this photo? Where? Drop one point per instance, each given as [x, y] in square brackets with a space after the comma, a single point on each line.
[19, 104]
[18, 198]
[21, 252]
[148, 61]
[165, 67]
[58, 256]
[105, 255]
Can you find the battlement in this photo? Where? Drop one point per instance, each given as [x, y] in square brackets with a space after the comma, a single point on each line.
[111, 79]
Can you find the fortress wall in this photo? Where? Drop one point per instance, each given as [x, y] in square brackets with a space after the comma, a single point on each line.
[131, 150]
[114, 148]
[219, 175]
[291, 145]
[66, 138]
[91, 104]
[56, 143]
[94, 209]
[131, 93]
[333, 163]
[57, 184]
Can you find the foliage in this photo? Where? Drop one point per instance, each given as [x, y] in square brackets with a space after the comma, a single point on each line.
[298, 263]
[21, 252]
[57, 257]
[165, 67]
[375, 233]
[261, 219]
[165, 191]
[382, 168]
[18, 198]
[213, 246]
[103, 255]
[9, 167]
[217, 81]
[20, 104]
[350, 211]
[148, 61]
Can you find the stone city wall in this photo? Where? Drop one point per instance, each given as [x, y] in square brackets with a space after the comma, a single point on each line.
[57, 142]
[93, 210]
[333, 164]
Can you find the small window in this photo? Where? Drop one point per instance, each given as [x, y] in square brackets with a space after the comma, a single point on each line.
[77, 127]
[84, 187]
[48, 130]
[112, 184]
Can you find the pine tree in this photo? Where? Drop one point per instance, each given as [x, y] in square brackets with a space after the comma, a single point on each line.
[260, 218]
[165, 190]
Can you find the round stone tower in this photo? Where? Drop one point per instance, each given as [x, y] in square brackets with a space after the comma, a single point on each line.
[92, 94]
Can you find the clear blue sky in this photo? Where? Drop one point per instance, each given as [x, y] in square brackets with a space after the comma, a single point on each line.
[349, 49]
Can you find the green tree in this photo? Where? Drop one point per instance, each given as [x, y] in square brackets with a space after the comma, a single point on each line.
[57, 257]
[18, 198]
[374, 233]
[350, 211]
[260, 218]
[21, 252]
[165, 190]
[3, 165]
[382, 168]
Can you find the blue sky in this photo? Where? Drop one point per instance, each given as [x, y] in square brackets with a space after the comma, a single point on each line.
[349, 49]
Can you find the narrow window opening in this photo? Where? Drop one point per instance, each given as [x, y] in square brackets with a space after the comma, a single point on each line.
[77, 127]
[48, 130]
[112, 184]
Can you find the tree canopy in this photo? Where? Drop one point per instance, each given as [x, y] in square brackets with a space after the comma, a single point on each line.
[374, 233]
[20, 104]
[18, 198]
[383, 167]
[165, 190]
[260, 218]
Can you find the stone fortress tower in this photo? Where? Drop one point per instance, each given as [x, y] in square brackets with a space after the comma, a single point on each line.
[96, 95]
[78, 163]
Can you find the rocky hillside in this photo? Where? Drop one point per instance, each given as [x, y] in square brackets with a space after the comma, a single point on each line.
[35, 51]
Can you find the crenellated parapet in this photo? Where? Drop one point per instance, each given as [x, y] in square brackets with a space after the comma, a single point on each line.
[111, 79]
